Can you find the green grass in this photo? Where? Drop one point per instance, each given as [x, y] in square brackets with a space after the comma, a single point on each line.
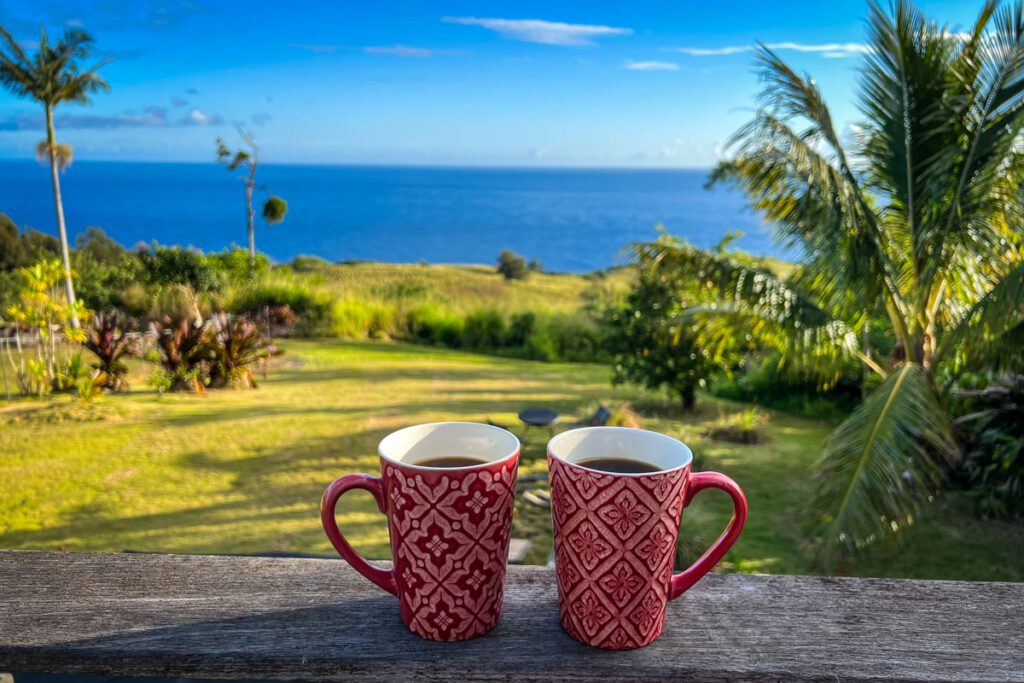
[458, 288]
[243, 471]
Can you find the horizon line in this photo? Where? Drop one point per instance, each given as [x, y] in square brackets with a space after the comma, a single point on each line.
[371, 164]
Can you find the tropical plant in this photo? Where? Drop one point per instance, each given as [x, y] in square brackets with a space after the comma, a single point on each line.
[994, 460]
[91, 387]
[54, 75]
[916, 220]
[247, 157]
[181, 351]
[109, 340]
[41, 309]
[236, 345]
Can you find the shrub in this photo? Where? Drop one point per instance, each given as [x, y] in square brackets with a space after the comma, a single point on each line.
[620, 414]
[107, 338]
[181, 351]
[162, 266]
[993, 466]
[484, 329]
[743, 427]
[308, 264]
[359, 320]
[577, 338]
[314, 309]
[763, 382]
[520, 327]
[233, 264]
[430, 324]
[512, 266]
[235, 345]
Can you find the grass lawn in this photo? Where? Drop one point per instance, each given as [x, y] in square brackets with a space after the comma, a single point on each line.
[243, 471]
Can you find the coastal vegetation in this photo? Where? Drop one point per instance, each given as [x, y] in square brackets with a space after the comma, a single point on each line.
[912, 261]
[881, 370]
[53, 76]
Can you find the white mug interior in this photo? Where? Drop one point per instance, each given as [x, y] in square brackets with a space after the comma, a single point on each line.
[419, 443]
[640, 445]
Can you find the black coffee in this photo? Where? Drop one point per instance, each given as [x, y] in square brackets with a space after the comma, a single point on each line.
[451, 461]
[618, 465]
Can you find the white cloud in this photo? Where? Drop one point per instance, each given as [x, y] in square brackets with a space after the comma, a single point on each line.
[315, 48]
[197, 117]
[831, 50]
[651, 66]
[406, 51]
[541, 31]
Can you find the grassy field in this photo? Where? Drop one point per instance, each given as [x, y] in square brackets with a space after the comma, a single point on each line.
[457, 288]
[243, 471]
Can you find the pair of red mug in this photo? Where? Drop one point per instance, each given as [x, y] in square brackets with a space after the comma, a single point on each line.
[615, 533]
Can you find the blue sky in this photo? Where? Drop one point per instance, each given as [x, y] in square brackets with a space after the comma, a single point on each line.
[616, 84]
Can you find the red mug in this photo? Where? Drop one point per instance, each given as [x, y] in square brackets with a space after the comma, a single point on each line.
[615, 533]
[449, 526]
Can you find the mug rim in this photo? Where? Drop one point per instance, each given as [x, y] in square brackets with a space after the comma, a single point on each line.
[504, 433]
[670, 440]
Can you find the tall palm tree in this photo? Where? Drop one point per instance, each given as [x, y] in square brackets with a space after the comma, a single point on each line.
[915, 222]
[52, 76]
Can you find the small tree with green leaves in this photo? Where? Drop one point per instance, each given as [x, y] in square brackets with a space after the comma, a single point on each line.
[650, 341]
[512, 265]
[42, 309]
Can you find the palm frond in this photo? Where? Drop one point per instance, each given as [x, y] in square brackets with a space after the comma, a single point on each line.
[984, 202]
[981, 333]
[752, 302]
[904, 90]
[882, 462]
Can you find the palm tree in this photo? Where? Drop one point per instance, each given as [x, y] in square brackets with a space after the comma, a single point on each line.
[913, 225]
[53, 76]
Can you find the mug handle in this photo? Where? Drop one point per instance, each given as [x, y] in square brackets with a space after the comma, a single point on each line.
[699, 481]
[385, 578]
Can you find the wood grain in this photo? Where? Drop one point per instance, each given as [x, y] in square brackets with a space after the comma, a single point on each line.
[235, 617]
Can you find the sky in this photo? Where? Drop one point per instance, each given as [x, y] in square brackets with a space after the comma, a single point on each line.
[500, 83]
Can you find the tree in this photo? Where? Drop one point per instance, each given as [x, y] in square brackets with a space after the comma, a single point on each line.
[274, 209]
[512, 265]
[174, 266]
[922, 230]
[650, 340]
[53, 76]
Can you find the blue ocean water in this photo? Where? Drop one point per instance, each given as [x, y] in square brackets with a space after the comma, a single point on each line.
[572, 220]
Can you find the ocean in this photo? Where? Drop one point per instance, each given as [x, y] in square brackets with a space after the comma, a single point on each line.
[571, 220]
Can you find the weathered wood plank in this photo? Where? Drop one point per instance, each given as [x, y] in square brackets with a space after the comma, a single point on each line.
[228, 617]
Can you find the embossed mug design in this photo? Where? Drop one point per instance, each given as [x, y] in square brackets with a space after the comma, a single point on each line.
[449, 526]
[615, 533]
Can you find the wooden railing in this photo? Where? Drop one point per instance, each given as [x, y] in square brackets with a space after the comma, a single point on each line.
[238, 617]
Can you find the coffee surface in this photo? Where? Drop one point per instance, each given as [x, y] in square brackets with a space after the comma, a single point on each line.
[618, 465]
[448, 461]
